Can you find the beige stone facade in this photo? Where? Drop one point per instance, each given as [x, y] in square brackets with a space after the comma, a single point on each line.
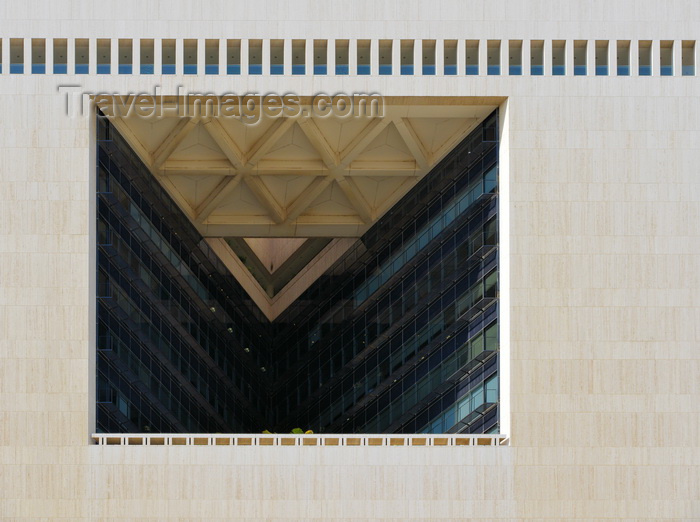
[600, 195]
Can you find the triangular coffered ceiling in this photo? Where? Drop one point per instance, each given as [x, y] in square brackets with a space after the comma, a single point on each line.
[296, 177]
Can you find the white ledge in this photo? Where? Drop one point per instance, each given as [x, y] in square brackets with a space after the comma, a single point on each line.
[247, 439]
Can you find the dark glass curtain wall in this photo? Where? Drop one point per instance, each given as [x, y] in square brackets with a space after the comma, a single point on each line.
[399, 336]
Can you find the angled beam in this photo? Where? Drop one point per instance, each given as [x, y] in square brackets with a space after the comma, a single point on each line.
[264, 196]
[225, 143]
[312, 132]
[170, 143]
[400, 192]
[364, 138]
[357, 200]
[413, 142]
[125, 130]
[215, 197]
[307, 197]
[220, 167]
[454, 139]
[268, 140]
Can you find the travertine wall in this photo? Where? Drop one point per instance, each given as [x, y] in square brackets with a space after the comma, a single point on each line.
[604, 189]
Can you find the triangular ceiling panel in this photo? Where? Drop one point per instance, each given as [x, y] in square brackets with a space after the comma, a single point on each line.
[293, 145]
[435, 132]
[376, 190]
[198, 145]
[195, 189]
[332, 199]
[286, 189]
[240, 202]
[387, 146]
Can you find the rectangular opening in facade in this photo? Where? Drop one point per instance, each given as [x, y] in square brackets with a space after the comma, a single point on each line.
[450, 51]
[515, 57]
[688, 57]
[472, 57]
[255, 57]
[623, 57]
[406, 57]
[147, 56]
[60, 56]
[536, 57]
[342, 57]
[298, 56]
[276, 57]
[38, 56]
[429, 340]
[320, 57]
[644, 58]
[211, 56]
[82, 56]
[233, 56]
[168, 56]
[428, 66]
[104, 56]
[125, 56]
[580, 52]
[666, 57]
[385, 57]
[189, 56]
[16, 56]
[493, 57]
[558, 57]
[601, 57]
[364, 57]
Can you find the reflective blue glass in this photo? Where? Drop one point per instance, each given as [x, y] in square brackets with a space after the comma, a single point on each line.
[688, 70]
[254, 68]
[558, 70]
[428, 70]
[601, 70]
[515, 70]
[146, 68]
[320, 69]
[667, 70]
[342, 69]
[385, 69]
[645, 70]
[211, 68]
[124, 68]
[579, 70]
[494, 70]
[233, 68]
[623, 70]
[16, 68]
[81, 68]
[400, 335]
[363, 69]
[450, 70]
[38, 68]
[472, 70]
[168, 68]
[103, 68]
[190, 68]
[406, 70]
[298, 68]
[276, 68]
[536, 70]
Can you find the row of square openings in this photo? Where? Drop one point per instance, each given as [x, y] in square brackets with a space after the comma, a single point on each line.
[217, 59]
